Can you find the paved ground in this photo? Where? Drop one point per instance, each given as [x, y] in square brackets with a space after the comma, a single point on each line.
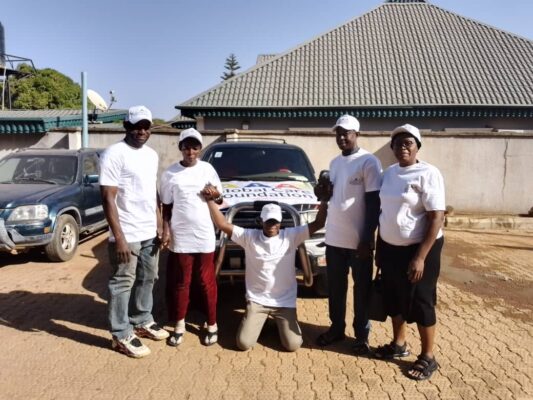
[53, 329]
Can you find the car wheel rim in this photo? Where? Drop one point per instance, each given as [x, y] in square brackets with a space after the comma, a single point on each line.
[67, 238]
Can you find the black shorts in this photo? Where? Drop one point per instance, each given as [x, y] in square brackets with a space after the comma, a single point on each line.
[414, 302]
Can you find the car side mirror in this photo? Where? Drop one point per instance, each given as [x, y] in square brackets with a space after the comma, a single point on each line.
[89, 179]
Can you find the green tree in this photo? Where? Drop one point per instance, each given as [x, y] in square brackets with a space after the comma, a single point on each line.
[44, 89]
[231, 66]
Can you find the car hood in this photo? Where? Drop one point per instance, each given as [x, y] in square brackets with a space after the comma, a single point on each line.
[14, 195]
[290, 192]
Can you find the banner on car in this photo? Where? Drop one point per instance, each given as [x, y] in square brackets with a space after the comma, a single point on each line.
[290, 192]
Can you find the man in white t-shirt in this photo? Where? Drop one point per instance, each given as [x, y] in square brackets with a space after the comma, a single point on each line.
[352, 220]
[270, 276]
[189, 231]
[128, 183]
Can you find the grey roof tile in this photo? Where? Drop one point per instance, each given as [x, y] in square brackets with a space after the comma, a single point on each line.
[400, 53]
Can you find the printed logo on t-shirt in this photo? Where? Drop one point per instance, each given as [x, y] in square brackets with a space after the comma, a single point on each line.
[356, 180]
[413, 187]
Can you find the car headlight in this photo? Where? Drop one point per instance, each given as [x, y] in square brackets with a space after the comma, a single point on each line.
[29, 213]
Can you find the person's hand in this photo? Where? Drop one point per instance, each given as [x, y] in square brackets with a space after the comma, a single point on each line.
[159, 233]
[210, 192]
[122, 251]
[364, 251]
[415, 270]
[324, 188]
[165, 237]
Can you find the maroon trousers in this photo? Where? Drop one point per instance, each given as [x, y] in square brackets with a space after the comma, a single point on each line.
[181, 268]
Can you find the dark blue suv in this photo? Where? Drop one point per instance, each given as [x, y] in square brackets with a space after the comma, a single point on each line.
[48, 197]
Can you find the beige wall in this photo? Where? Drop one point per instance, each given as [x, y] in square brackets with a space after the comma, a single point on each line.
[484, 171]
[13, 142]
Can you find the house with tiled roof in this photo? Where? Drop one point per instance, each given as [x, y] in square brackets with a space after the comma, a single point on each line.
[404, 61]
[42, 121]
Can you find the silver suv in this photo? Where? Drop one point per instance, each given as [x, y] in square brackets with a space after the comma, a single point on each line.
[253, 173]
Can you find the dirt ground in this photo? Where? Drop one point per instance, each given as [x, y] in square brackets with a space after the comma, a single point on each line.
[491, 264]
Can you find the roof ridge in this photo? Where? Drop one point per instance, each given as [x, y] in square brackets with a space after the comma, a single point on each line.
[476, 21]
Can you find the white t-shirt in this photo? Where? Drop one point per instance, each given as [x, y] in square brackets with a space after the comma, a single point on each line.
[134, 172]
[270, 264]
[407, 193]
[192, 229]
[352, 176]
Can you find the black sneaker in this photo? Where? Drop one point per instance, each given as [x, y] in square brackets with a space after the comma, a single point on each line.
[391, 350]
[329, 337]
[361, 348]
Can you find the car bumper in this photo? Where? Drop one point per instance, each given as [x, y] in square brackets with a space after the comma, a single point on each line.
[11, 238]
[317, 255]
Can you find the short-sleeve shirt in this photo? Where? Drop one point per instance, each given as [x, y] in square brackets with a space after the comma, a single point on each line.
[134, 172]
[270, 264]
[407, 193]
[352, 176]
[192, 229]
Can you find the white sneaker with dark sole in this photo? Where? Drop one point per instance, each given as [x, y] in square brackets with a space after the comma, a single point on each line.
[151, 331]
[131, 346]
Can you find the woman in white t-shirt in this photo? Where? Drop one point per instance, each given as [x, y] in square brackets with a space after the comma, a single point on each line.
[409, 247]
[189, 232]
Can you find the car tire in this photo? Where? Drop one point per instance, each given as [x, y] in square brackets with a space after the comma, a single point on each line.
[64, 239]
[320, 285]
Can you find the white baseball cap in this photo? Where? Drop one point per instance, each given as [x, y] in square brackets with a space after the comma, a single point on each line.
[271, 211]
[410, 129]
[190, 133]
[138, 113]
[347, 122]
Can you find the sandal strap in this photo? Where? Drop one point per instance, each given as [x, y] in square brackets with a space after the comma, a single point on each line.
[424, 364]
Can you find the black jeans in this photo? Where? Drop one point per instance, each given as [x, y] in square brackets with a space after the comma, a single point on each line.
[339, 260]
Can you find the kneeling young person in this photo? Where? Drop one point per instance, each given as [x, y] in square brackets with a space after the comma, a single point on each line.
[271, 286]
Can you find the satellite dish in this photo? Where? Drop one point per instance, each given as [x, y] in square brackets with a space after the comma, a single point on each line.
[97, 100]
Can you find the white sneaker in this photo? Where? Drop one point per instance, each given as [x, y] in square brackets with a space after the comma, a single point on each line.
[151, 331]
[131, 346]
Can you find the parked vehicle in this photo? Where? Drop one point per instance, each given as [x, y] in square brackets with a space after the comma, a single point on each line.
[253, 173]
[48, 198]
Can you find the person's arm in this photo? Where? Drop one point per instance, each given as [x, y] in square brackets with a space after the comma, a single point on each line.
[166, 217]
[109, 195]
[416, 266]
[372, 207]
[320, 219]
[219, 219]
[159, 216]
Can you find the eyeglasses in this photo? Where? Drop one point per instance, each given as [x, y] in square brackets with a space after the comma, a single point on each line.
[403, 143]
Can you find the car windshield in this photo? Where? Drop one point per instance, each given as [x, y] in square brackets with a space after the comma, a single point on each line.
[267, 164]
[51, 169]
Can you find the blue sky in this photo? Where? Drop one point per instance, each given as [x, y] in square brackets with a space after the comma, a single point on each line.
[163, 52]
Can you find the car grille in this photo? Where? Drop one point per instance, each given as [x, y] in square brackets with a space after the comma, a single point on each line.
[251, 219]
